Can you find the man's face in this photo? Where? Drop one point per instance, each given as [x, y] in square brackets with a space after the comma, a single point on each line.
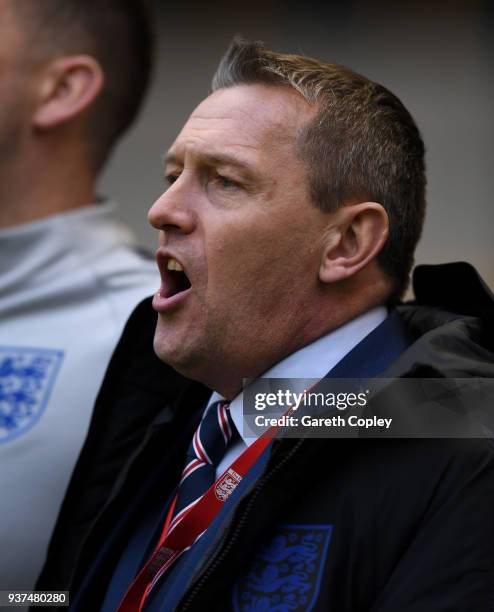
[239, 220]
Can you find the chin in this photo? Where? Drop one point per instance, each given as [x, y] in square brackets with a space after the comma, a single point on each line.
[167, 351]
[186, 349]
[174, 353]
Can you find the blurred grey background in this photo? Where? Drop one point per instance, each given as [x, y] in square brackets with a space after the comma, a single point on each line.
[437, 56]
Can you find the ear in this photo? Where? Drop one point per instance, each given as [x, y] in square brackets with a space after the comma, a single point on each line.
[66, 87]
[357, 234]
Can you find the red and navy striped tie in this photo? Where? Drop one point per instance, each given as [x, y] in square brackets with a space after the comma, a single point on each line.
[207, 449]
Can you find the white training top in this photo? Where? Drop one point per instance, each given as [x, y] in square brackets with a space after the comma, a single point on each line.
[67, 286]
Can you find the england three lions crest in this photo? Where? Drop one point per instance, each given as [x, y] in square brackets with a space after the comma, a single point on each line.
[287, 572]
[27, 376]
[227, 485]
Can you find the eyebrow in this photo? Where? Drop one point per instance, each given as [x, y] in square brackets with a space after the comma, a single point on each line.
[211, 159]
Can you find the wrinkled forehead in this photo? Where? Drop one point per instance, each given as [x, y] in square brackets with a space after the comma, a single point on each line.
[258, 118]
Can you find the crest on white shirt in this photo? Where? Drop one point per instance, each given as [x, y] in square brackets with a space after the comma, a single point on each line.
[27, 376]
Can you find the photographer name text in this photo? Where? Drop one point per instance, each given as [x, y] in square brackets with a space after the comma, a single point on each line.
[261, 420]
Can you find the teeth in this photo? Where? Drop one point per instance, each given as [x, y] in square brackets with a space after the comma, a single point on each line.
[174, 265]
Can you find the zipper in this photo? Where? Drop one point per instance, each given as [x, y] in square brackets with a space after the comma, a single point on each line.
[114, 493]
[223, 551]
[151, 431]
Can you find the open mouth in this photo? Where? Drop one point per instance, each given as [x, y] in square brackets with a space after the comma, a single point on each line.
[175, 280]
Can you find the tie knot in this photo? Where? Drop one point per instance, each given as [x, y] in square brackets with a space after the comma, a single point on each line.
[213, 434]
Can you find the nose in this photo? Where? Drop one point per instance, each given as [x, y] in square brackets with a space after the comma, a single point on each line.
[171, 213]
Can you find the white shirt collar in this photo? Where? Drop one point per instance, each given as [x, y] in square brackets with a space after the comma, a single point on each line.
[314, 360]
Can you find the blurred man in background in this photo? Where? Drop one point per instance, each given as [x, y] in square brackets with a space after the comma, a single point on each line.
[73, 74]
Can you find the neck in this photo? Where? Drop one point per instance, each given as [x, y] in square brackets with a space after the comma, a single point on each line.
[341, 307]
[35, 186]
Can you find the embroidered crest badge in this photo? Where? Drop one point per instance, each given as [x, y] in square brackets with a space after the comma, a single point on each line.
[227, 485]
[26, 381]
[286, 575]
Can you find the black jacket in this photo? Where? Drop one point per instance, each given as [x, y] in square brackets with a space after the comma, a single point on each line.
[403, 524]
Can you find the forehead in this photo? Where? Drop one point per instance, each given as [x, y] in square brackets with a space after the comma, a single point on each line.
[245, 119]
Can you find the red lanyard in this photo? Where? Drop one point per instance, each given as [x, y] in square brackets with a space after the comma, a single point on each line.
[182, 536]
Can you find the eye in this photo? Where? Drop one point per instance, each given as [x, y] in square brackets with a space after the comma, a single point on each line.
[226, 182]
[171, 178]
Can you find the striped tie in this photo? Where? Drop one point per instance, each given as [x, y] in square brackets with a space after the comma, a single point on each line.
[207, 449]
